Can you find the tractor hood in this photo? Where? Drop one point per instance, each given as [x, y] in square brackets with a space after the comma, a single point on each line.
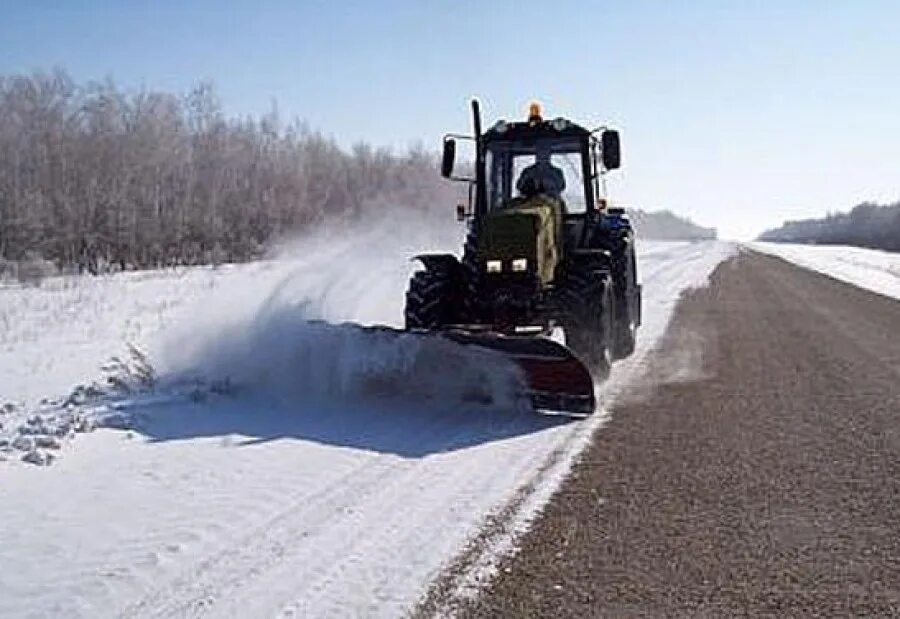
[527, 229]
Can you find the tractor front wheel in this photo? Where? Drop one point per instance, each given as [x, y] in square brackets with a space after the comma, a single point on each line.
[429, 300]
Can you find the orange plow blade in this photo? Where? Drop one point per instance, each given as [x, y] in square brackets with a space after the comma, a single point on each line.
[557, 379]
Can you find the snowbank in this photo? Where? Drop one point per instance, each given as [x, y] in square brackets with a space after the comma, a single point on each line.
[872, 269]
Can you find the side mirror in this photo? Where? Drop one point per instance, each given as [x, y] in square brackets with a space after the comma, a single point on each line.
[609, 145]
[448, 158]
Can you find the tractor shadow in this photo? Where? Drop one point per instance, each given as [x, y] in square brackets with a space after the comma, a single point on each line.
[407, 429]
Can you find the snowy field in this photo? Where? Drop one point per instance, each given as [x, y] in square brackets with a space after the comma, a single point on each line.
[872, 269]
[254, 461]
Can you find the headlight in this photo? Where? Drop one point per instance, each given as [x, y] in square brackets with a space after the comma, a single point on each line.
[520, 264]
[494, 266]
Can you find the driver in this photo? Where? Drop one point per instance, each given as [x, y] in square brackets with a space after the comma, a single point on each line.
[541, 177]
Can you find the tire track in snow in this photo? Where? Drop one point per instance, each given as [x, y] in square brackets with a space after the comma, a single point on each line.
[299, 532]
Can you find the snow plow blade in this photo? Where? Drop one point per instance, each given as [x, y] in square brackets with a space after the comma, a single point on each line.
[557, 380]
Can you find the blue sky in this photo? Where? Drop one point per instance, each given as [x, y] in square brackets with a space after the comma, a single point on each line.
[739, 114]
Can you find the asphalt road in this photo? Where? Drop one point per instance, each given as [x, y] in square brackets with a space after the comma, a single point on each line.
[757, 472]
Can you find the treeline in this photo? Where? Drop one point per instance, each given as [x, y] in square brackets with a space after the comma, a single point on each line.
[95, 178]
[867, 225]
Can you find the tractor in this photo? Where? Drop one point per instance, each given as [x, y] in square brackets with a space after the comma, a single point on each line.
[545, 255]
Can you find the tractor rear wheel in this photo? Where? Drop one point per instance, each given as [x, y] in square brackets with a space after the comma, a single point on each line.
[429, 300]
[625, 332]
[626, 322]
[588, 297]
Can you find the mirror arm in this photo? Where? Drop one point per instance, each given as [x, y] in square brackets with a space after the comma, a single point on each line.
[459, 136]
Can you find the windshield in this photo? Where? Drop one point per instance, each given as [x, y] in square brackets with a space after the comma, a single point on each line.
[509, 164]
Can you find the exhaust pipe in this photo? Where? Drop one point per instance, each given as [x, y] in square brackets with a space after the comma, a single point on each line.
[480, 174]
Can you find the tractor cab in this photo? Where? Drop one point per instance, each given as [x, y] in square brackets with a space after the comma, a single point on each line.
[556, 160]
[543, 253]
[526, 159]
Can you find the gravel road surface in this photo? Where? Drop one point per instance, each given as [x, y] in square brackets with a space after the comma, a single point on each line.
[757, 472]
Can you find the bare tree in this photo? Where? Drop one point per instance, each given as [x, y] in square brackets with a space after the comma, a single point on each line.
[96, 178]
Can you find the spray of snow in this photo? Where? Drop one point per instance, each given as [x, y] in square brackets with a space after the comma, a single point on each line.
[325, 331]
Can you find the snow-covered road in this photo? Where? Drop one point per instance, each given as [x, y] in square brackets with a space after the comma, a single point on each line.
[295, 494]
[872, 269]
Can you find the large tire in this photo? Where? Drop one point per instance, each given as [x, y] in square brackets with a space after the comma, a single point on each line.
[470, 274]
[626, 322]
[429, 300]
[588, 320]
[625, 331]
